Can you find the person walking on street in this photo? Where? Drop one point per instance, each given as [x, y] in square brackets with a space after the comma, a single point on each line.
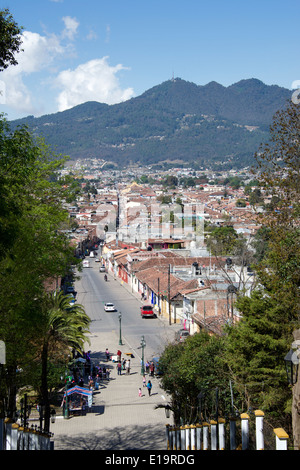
[149, 387]
[119, 368]
[140, 392]
[144, 381]
[107, 354]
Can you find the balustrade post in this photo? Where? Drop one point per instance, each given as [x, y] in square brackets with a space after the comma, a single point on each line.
[174, 437]
[178, 438]
[8, 424]
[221, 422]
[14, 436]
[193, 437]
[182, 438]
[168, 434]
[205, 436]
[213, 435]
[187, 437]
[198, 436]
[245, 430]
[259, 423]
[281, 439]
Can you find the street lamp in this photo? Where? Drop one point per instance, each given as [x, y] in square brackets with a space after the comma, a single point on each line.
[168, 410]
[120, 337]
[66, 410]
[143, 344]
[292, 365]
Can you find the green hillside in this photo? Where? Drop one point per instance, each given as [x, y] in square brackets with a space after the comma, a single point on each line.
[171, 121]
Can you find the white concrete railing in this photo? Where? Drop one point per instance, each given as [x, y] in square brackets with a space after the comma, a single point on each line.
[211, 436]
[16, 437]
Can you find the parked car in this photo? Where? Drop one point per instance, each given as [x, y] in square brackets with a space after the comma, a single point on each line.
[181, 335]
[109, 307]
[102, 269]
[86, 263]
[147, 311]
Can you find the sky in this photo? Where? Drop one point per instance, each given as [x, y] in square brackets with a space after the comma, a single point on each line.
[113, 50]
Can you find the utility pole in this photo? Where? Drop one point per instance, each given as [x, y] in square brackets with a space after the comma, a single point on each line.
[158, 297]
[169, 296]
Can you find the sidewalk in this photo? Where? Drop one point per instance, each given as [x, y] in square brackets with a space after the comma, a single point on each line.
[120, 419]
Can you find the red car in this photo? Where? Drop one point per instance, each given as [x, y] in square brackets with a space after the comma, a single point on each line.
[147, 311]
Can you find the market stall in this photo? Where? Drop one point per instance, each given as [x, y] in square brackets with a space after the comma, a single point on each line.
[79, 400]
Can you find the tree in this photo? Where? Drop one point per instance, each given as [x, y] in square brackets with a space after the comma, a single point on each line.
[257, 344]
[279, 166]
[254, 351]
[222, 240]
[62, 328]
[33, 251]
[10, 39]
[190, 368]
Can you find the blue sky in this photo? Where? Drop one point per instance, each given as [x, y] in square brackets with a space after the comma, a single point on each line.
[110, 51]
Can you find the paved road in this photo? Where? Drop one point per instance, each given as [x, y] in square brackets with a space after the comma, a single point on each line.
[120, 419]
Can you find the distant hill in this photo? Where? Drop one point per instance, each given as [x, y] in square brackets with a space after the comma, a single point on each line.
[176, 120]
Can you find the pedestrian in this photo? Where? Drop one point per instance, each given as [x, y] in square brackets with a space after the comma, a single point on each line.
[127, 365]
[97, 381]
[91, 383]
[144, 381]
[119, 368]
[149, 387]
[107, 354]
[119, 353]
[151, 367]
[140, 392]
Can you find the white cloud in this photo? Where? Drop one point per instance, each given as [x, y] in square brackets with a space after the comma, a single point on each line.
[23, 84]
[39, 52]
[95, 80]
[71, 25]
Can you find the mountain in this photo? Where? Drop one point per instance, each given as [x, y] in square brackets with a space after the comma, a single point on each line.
[176, 120]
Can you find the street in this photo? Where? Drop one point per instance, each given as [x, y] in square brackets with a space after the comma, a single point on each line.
[120, 419]
[93, 291]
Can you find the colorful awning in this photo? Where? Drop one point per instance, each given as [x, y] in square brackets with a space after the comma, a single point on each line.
[80, 390]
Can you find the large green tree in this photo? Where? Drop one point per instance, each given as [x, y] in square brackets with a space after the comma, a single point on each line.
[254, 352]
[34, 253]
[257, 344]
[192, 368]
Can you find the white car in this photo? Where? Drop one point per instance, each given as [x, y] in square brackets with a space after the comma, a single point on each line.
[109, 307]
